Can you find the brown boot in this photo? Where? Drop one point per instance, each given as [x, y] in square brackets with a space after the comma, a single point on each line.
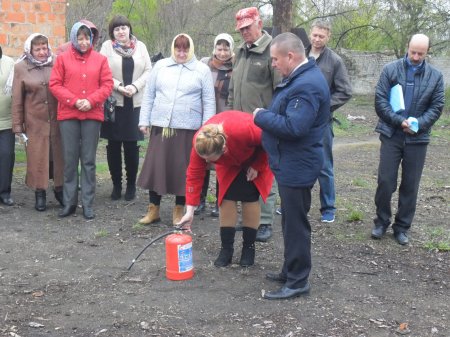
[151, 216]
[177, 214]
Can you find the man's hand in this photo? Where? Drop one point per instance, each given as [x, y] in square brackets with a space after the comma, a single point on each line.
[256, 111]
[405, 127]
[251, 174]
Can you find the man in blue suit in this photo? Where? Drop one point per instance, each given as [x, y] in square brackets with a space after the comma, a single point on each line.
[293, 128]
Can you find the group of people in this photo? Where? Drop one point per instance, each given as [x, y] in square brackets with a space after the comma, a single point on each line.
[262, 110]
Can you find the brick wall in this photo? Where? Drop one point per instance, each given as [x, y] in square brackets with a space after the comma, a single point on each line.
[19, 19]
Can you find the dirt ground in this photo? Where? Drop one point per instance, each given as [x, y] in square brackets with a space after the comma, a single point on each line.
[68, 277]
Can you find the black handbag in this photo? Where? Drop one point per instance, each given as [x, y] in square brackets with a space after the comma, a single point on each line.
[109, 109]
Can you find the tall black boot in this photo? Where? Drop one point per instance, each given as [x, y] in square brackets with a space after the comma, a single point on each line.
[114, 157]
[41, 200]
[227, 250]
[59, 195]
[248, 246]
[131, 155]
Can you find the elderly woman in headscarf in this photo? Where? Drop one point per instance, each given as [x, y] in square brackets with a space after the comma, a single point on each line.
[178, 99]
[221, 66]
[81, 80]
[34, 116]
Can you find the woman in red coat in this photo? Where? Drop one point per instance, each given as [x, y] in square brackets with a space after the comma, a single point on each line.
[81, 81]
[232, 142]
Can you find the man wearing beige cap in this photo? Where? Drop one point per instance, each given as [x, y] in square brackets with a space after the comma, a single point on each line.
[251, 87]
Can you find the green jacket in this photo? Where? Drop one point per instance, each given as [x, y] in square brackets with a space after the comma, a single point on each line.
[6, 65]
[253, 80]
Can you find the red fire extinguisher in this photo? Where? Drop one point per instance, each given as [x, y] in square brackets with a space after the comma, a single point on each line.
[179, 264]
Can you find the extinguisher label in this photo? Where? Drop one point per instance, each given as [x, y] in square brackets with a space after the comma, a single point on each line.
[185, 257]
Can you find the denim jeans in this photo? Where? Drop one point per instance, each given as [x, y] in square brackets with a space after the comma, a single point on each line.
[326, 176]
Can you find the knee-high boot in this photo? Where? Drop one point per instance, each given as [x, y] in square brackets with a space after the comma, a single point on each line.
[227, 249]
[114, 157]
[248, 246]
[131, 155]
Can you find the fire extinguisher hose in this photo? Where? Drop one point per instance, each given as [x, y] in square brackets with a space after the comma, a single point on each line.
[176, 229]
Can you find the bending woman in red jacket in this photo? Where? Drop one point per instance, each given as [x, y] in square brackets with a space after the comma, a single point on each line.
[232, 142]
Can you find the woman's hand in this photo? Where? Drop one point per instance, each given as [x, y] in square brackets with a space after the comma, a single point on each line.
[251, 174]
[187, 218]
[83, 105]
[144, 130]
[131, 90]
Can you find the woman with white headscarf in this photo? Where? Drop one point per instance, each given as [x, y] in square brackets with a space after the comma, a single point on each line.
[81, 80]
[178, 99]
[34, 115]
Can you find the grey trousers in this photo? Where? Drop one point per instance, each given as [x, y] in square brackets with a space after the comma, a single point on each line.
[79, 140]
[7, 157]
[268, 208]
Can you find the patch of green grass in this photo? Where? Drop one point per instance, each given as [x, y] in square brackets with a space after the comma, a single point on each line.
[355, 215]
[348, 128]
[210, 198]
[21, 156]
[19, 171]
[441, 128]
[360, 182]
[138, 226]
[101, 168]
[438, 239]
[447, 100]
[101, 233]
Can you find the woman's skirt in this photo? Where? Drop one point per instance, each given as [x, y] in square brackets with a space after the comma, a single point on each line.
[242, 190]
[166, 162]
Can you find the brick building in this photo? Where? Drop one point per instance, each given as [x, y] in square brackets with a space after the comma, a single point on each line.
[19, 19]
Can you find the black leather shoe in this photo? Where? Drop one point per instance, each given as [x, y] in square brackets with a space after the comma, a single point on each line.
[8, 201]
[401, 238]
[378, 232]
[88, 213]
[116, 193]
[284, 293]
[277, 277]
[130, 192]
[264, 233]
[215, 211]
[67, 210]
[200, 208]
[59, 197]
[41, 200]
[224, 258]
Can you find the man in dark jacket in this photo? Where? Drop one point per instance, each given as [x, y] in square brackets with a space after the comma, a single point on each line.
[423, 94]
[335, 72]
[293, 128]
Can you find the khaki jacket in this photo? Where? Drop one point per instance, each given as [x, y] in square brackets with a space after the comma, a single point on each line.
[253, 80]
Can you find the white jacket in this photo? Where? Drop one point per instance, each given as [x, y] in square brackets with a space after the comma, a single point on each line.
[179, 96]
[142, 68]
